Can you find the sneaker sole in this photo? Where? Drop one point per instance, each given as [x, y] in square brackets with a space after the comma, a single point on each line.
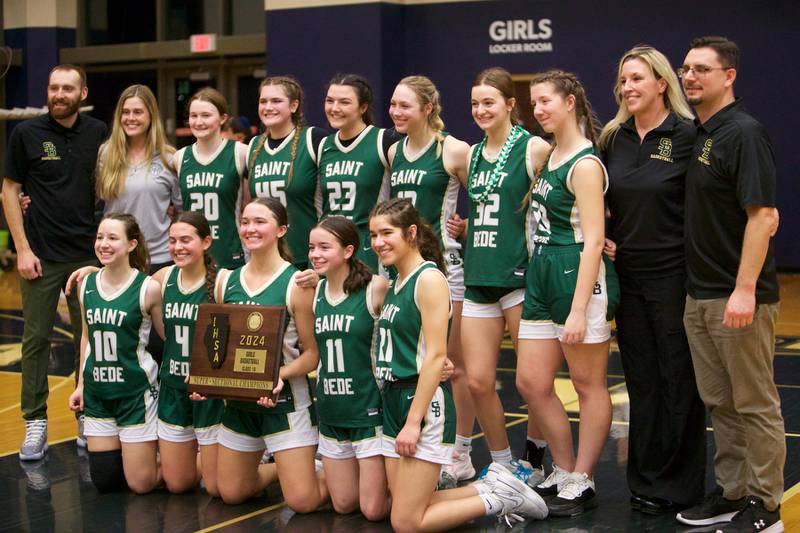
[574, 511]
[719, 519]
[33, 456]
[519, 486]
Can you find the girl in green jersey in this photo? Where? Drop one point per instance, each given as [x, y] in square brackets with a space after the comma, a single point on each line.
[284, 424]
[183, 425]
[282, 161]
[117, 385]
[353, 169]
[210, 173]
[418, 411]
[497, 255]
[571, 292]
[346, 308]
[428, 167]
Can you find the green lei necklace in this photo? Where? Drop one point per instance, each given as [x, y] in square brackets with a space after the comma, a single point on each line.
[502, 159]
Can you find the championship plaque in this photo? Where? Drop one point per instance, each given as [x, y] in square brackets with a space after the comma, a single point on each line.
[237, 351]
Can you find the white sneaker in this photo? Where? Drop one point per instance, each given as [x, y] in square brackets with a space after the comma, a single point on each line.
[460, 469]
[517, 497]
[80, 440]
[554, 482]
[35, 444]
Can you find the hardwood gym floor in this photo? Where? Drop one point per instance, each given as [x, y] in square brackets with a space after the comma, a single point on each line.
[56, 494]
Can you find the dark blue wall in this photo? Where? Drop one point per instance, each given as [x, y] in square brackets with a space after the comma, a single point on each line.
[450, 43]
[27, 85]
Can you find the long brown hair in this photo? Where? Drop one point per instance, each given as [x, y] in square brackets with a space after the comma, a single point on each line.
[278, 210]
[294, 93]
[500, 79]
[200, 224]
[402, 214]
[138, 258]
[346, 233]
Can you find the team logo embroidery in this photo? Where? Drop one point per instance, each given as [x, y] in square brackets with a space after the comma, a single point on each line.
[705, 155]
[664, 150]
[50, 153]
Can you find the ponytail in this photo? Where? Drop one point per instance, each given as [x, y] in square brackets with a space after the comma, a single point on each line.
[402, 214]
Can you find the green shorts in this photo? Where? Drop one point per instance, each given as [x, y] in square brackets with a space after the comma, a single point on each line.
[438, 434]
[181, 419]
[248, 431]
[551, 280]
[336, 442]
[132, 418]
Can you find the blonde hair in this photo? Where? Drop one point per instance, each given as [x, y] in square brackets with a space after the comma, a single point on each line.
[660, 66]
[113, 161]
[427, 93]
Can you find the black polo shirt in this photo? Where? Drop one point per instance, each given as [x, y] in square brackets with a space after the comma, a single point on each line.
[55, 166]
[732, 168]
[646, 196]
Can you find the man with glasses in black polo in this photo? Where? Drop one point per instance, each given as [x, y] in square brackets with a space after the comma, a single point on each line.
[51, 159]
[732, 302]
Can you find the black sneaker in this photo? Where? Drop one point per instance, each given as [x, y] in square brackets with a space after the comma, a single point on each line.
[576, 496]
[534, 455]
[754, 518]
[714, 509]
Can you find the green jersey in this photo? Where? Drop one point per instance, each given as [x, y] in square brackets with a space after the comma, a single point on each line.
[116, 363]
[269, 179]
[347, 392]
[424, 180]
[352, 179]
[296, 393]
[497, 241]
[553, 202]
[179, 307]
[401, 346]
[213, 189]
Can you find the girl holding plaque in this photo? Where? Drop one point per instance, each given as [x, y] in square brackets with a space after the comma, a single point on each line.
[347, 304]
[117, 386]
[182, 424]
[284, 423]
[418, 411]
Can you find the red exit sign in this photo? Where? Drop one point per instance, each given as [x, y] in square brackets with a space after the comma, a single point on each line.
[203, 42]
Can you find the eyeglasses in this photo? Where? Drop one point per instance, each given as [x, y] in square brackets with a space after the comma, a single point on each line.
[699, 70]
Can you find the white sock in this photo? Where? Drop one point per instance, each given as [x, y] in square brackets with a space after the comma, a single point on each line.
[502, 456]
[491, 503]
[540, 443]
[463, 444]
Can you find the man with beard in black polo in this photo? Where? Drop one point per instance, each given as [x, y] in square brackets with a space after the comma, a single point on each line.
[51, 159]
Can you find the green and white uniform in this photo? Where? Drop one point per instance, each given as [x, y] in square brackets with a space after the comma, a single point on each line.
[246, 426]
[401, 353]
[120, 387]
[348, 398]
[179, 418]
[424, 180]
[269, 179]
[498, 250]
[352, 180]
[214, 189]
[553, 272]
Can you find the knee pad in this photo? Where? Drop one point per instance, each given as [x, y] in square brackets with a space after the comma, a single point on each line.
[107, 472]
